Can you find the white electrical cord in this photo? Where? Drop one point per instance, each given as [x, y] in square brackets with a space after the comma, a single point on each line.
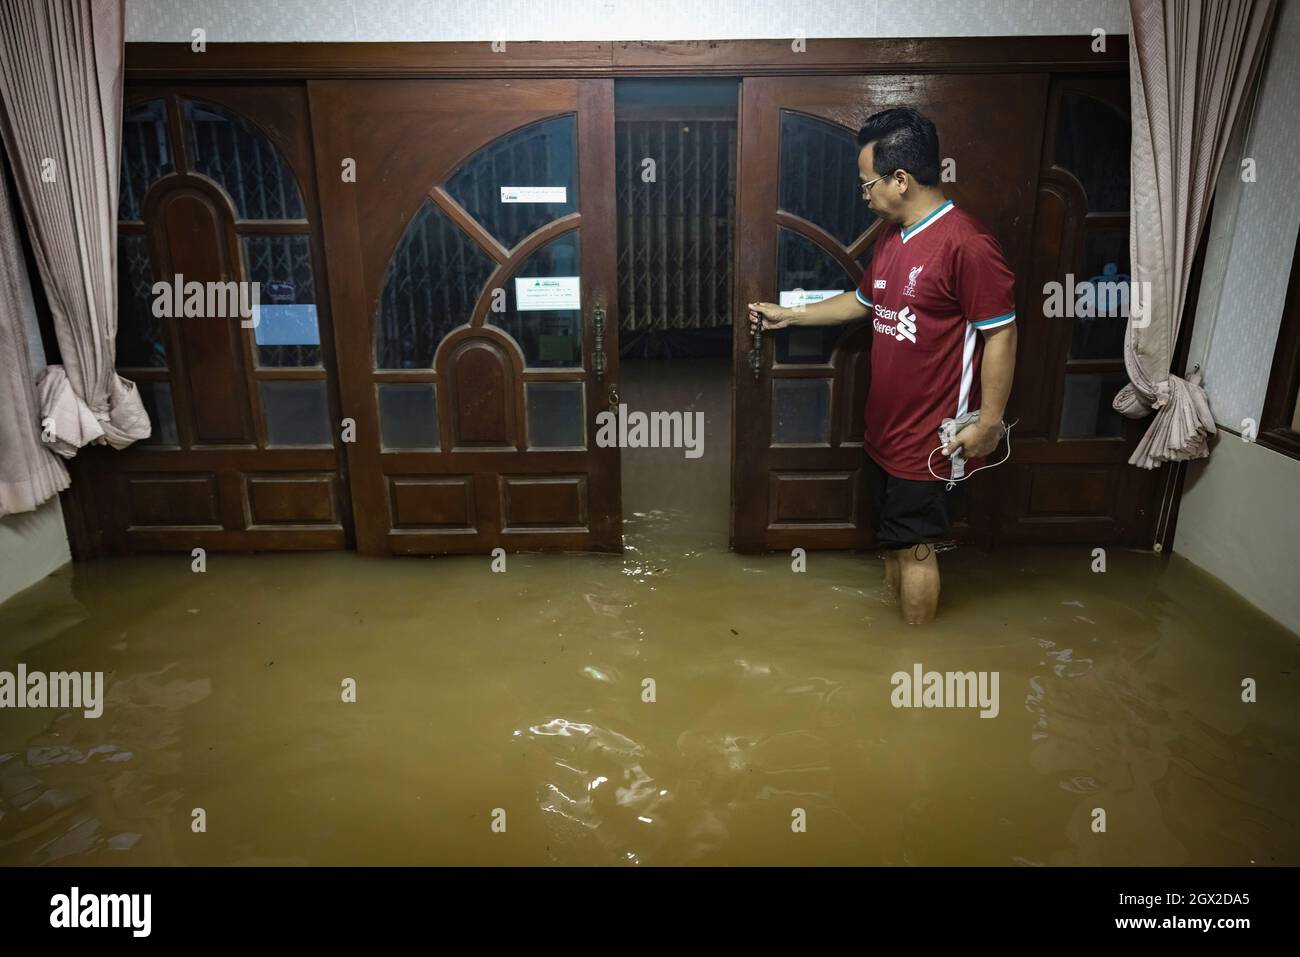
[952, 481]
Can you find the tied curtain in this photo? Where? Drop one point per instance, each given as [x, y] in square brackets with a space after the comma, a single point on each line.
[1192, 66]
[61, 66]
[29, 472]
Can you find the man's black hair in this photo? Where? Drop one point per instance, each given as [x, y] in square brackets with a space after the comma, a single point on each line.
[904, 139]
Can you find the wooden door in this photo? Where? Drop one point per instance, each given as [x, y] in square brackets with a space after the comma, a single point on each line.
[800, 393]
[1069, 479]
[473, 274]
[218, 186]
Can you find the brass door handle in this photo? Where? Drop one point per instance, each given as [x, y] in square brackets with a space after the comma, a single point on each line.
[755, 342]
[598, 346]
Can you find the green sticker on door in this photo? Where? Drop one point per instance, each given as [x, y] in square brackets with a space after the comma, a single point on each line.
[539, 293]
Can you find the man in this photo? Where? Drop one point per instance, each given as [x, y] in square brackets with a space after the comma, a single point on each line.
[943, 307]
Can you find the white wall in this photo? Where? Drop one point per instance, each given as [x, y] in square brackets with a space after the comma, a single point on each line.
[392, 20]
[32, 545]
[1239, 517]
[1239, 521]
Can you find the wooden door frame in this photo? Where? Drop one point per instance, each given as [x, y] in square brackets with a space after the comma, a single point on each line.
[174, 63]
[641, 58]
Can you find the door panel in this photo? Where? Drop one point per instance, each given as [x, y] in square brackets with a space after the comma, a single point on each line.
[472, 374]
[800, 394]
[1069, 479]
[218, 186]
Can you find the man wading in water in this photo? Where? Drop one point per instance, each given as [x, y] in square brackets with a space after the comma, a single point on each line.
[942, 302]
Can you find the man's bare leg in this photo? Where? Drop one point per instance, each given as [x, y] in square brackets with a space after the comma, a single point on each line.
[891, 573]
[918, 571]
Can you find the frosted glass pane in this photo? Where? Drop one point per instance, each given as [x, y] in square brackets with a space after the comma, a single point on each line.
[1087, 411]
[297, 413]
[555, 415]
[801, 411]
[408, 414]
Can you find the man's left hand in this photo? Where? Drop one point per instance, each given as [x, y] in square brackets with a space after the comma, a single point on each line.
[975, 441]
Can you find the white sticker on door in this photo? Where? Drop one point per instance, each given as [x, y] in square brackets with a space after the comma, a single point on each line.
[534, 194]
[547, 292]
[805, 297]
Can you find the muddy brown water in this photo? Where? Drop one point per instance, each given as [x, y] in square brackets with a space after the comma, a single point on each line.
[524, 693]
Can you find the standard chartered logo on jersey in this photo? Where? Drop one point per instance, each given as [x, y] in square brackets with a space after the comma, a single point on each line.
[906, 325]
[901, 324]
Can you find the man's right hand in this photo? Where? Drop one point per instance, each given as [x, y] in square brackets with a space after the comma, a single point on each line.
[769, 314]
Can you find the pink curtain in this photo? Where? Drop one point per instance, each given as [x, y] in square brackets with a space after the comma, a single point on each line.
[61, 119]
[1193, 64]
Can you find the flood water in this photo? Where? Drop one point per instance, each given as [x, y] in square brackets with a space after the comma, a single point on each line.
[523, 691]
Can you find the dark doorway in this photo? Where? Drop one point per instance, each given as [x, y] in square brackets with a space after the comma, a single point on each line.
[675, 169]
[675, 152]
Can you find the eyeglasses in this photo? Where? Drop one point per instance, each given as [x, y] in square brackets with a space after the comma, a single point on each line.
[866, 187]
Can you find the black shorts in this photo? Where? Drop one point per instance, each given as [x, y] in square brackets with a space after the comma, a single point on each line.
[907, 512]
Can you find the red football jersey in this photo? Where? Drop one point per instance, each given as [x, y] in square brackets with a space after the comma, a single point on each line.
[931, 289]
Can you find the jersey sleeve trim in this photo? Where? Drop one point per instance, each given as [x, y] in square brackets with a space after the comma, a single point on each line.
[995, 321]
